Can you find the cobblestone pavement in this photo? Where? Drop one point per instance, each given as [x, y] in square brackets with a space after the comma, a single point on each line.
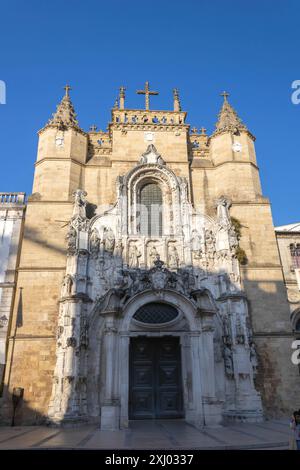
[160, 434]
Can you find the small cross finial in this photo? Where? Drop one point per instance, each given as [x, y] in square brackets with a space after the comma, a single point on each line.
[93, 128]
[67, 88]
[203, 131]
[225, 95]
[147, 93]
[194, 130]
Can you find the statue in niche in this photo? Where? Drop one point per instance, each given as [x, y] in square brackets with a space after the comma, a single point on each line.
[217, 350]
[118, 249]
[79, 203]
[184, 281]
[240, 337]
[109, 240]
[153, 255]
[196, 243]
[173, 256]
[210, 244]
[71, 239]
[226, 330]
[253, 358]
[228, 362]
[67, 286]
[223, 217]
[233, 240]
[133, 256]
[94, 243]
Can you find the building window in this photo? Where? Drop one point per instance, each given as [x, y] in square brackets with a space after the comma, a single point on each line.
[295, 254]
[297, 326]
[156, 313]
[151, 210]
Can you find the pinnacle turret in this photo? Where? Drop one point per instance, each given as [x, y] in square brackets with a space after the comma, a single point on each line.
[228, 120]
[65, 116]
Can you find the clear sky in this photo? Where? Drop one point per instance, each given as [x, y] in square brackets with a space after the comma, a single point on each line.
[249, 48]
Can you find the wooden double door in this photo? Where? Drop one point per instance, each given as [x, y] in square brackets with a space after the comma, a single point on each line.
[155, 385]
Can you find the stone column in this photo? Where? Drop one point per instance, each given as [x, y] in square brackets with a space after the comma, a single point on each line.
[195, 415]
[124, 378]
[211, 406]
[110, 410]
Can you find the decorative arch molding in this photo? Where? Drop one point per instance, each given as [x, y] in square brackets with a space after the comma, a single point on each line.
[170, 187]
[176, 299]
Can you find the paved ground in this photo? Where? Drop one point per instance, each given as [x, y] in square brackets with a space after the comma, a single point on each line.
[160, 434]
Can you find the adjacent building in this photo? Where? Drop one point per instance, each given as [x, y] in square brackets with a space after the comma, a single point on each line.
[12, 212]
[288, 240]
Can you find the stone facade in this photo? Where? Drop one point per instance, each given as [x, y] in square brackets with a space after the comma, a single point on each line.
[87, 266]
[12, 209]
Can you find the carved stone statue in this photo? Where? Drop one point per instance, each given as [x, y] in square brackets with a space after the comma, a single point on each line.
[228, 362]
[240, 337]
[253, 358]
[71, 240]
[173, 257]
[109, 240]
[133, 256]
[233, 240]
[118, 249]
[227, 330]
[153, 255]
[94, 243]
[79, 203]
[67, 286]
[210, 243]
[223, 205]
[196, 242]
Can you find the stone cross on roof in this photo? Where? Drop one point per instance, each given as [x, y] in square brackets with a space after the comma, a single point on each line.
[67, 88]
[147, 93]
[225, 95]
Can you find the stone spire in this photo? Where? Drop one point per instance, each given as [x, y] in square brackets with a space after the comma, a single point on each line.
[65, 116]
[228, 119]
[176, 100]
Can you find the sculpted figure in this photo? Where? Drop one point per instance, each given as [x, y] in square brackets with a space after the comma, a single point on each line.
[196, 242]
[253, 358]
[79, 203]
[228, 362]
[173, 257]
[210, 243]
[119, 249]
[153, 255]
[94, 243]
[133, 256]
[109, 240]
[71, 239]
[67, 285]
[223, 205]
[240, 337]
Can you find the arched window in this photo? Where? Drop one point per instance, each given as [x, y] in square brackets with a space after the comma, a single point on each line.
[151, 210]
[295, 254]
[155, 312]
[297, 326]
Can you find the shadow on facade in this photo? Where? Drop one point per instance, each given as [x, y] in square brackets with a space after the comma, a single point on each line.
[230, 325]
[234, 333]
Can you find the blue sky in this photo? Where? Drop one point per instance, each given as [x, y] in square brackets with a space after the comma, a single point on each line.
[250, 49]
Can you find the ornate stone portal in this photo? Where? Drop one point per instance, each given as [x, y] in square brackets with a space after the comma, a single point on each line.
[112, 270]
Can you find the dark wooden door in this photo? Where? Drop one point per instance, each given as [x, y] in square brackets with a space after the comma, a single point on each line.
[155, 389]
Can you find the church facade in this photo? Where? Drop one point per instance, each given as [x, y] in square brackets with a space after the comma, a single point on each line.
[149, 281]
